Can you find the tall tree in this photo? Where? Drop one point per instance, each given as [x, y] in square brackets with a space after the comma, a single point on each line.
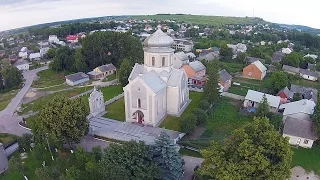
[64, 120]
[188, 124]
[12, 77]
[255, 151]
[124, 72]
[79, 62]
[278, 81]
[131, 160]
[200, 115]
[294, 59]
[211, 92]
[225, 52]
[316, 117]
[263, 108]
[167, 158]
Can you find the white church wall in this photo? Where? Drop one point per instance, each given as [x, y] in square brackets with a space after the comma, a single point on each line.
[173, 100]
[160, 108]
[138, 91]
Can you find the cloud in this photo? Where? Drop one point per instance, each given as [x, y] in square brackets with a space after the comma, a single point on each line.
[19, 13]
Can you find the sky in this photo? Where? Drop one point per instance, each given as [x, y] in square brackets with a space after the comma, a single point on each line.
[20, 13]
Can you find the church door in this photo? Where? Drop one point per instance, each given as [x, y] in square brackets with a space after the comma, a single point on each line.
[139, 116]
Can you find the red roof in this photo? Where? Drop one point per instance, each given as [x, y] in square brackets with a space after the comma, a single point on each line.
[72, 37]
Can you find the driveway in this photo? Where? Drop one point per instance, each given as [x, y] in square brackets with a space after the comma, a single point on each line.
[190, 164]
[8, 118]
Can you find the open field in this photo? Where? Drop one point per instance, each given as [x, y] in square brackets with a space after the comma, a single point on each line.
[232, 68]
[116, 110]
[309, 159]
[6, 97]
[48, 78]
[200, 19]
[173, 123]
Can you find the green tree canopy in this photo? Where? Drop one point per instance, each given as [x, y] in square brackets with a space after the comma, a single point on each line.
[294, 59]
[131, 160]
[188, 124]
[124, 72]
[255, 151]
[167, 157]
[211, 92]
[64, 120]
[201, 116]
[225, 52]
[204, 104]
[316, 117]
[263, 108]
[279, 80]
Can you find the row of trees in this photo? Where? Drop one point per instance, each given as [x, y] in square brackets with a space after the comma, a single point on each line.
[98, 49]
[10, 76]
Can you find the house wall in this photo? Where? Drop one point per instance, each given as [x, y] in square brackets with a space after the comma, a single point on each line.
[201, 73]
[160, 107]
[71, 83]
[303, 142]
[173, 100]
[300, 115]
[252, 71]
[225, 85]
[177, 63]
[23, 67]
[310, 78]
[188, 69]
[248, 103]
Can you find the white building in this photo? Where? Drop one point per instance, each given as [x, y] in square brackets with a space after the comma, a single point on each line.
[44, 51]
[35, 56]
[313, 56]
[156, 89]
[23, 55]
[286, 50]
[22, 65]
[254, 98]
[300, 132]
[53, 39]
[76, 78]
[182, 45]
[96, 103]
[302, 109]
[180, 59]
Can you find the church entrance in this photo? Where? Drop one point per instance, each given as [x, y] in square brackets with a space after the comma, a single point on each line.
[138, 116]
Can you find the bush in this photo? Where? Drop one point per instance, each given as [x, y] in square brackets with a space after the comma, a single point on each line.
[201, 116]
[189, 124]
[204, 104]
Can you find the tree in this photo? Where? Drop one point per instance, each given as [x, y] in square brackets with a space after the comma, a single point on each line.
[263, 108]
[292, 59]
[225, 53]
[63, 60]
[79, 62]
[304, 62]
[11, 76]
[297, 97]
[130, 160]
[241, 57]
[15, 164]
[64, 120]
[124, 72]
[201, 116]
[48, 173]
[25, 141]
[167, 158]
[255, 151]
[204, 104]
[73, 173]
[316, 117]
[211, 92]
[188, 124]
[51, 53]
[279, 80]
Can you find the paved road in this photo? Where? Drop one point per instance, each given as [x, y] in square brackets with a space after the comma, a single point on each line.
[190, 164]
[8, 119]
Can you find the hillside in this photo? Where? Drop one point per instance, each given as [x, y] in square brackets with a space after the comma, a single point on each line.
[200, 19]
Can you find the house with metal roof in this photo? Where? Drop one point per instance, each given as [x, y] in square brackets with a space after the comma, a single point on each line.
[22, 65]
[255, 70]
[302, 109]
[196, 73]
[180, 59]
[103, 71]
[305, 92]
[254, 98]
[225, 80]
[300, 132]
[76, 78]
[277, 57]
[308, 75]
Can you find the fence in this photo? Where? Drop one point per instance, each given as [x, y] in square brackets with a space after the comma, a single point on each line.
[82, 94]
[233, 96]
[196, 89]
[113, 99]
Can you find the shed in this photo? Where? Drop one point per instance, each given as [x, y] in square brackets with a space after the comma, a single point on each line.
[77, 78]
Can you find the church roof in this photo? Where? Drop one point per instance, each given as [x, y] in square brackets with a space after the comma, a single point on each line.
[158, 39]
[182, 56]
[137, 69]
[175, 76]
[154, 81]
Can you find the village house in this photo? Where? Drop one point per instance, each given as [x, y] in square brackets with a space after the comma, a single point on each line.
[238, 48]
[3, 159]
[23, 53]
[313, 56]
[286, 50]
[225, 80]
[277, 57]
[250, 60]
[254, 98]
[255, 70]
[180, 59]
[182, 45]
[300, 132]
[72, 38]
[13, 58]
[196, 72]
[53, 39]
[22, 65]
[44, 51]
[191, 56]
[305, 92]
[290, 69]
[302, 109]
[76, 78]
[308, 75]
[44, 44]
[35, 56]
[102, 71]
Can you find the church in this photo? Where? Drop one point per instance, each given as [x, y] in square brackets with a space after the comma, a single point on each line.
[156, 88]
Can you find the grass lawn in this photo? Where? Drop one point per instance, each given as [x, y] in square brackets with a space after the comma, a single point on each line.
[232, 68]
[306, 83]
[224, 119]
[309, 159]
[116, 110]
[112, 77]
[173, 123]
[48, 78]
[246, 84]
[187, 152]
[7, 139]
[38, 104]
[6, 97]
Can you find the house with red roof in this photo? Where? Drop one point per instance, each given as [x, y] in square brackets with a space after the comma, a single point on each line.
[72, 38]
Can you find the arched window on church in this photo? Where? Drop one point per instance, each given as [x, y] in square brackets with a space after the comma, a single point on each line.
[139, 103]
[163, 61]
[153, 61]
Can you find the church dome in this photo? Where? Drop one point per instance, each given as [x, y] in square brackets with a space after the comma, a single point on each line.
[158, 39]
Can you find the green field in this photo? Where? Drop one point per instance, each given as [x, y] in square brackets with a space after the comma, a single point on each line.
[7, 139]
[116, 110]
[187, 152]
[173, 123]
[48, 78]
[200, 19]
[309, 159]
[232, 68]
[6, 97]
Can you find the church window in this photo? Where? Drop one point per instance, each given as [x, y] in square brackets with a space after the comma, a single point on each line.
[153, 61]
[139, 103]
[163, 61]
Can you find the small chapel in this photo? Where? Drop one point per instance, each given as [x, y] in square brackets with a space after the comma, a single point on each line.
[156, 89]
